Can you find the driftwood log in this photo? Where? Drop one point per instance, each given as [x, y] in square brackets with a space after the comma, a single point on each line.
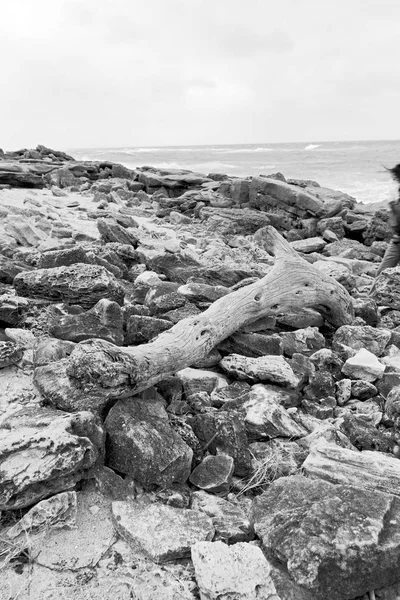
[96, 366]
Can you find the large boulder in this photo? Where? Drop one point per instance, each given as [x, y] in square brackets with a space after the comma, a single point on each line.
[75, 284]
[141, 442]
[337, 541]
[272, 195]
[44, 451]
[103, 321]
[386, 289]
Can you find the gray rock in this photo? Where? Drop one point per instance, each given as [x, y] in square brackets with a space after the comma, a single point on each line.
[103, 321]
[274, 369]
[363, 365]
[252, 344]
[77, 284]
[79, 547]
[231, 221]
[214, 473]
[10, 354]
[161, 533]
[337, 541]
[224, 432]
[239, 572]
[357, 337]
[111, 231]
[12, 308]
[367, 470]
[141, 329]
[43, 451]
[306, 341]
[386, 290]
[314, 244]
[231, 523]
[141, 442]
[265, 418]
[277, 196]
[200, 380]
[275, 458]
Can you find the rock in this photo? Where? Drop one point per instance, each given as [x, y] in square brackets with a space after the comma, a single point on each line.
[43, 452]
[327, 360]
[201, 292]
[161, 533]
[373, 471]
[164, 297]
[386, 290]
[141, 329]
[315, 244]
[200, 380]
[9, 269]
[56, 512]
[239, 572]
[231, 221]
[363, 390]
[265, 418]
[274, 369]
[364, 435]
[224, 432]
[80, 547]
[229, 520]
[214, 473]
[358, 337]
[77, 284]
[47, 350]
[363, 365]
[10, 354]
[62, 258]
[142, 443]
[12, 308]
[337, 541]
[343, 391]
[321, 385]
[367, 309]
[252, 344]
[279, 197]
[23, 231]
[110, 231]
[306, 341]
[103, 321]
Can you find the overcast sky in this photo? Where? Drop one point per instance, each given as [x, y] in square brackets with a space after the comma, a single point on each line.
[108, 73]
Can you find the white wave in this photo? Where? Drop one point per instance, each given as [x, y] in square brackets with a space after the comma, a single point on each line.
[312, 146]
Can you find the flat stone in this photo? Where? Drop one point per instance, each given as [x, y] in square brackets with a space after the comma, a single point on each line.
[337, 541]
[111, 231]
[239, 572]
[81, 546]
[76, 284]
[43, 452]
[369, 470]
[314, 244]
[161, 533]
[274, 369]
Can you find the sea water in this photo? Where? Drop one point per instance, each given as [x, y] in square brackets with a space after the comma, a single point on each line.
[357, 168]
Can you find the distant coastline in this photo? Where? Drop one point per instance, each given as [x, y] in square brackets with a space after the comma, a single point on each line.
[355, 167]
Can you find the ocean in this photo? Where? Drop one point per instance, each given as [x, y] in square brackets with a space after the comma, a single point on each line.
[356, 168]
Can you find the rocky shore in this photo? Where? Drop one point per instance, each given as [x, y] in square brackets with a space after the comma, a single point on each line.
[266, 465]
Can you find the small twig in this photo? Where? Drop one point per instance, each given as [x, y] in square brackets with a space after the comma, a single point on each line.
[210, 441]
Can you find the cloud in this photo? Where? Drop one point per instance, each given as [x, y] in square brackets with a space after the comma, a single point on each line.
[197, 71]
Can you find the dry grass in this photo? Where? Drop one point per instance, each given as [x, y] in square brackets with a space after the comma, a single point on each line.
[265, 471]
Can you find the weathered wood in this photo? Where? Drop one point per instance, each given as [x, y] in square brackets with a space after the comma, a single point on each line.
[291, 284]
